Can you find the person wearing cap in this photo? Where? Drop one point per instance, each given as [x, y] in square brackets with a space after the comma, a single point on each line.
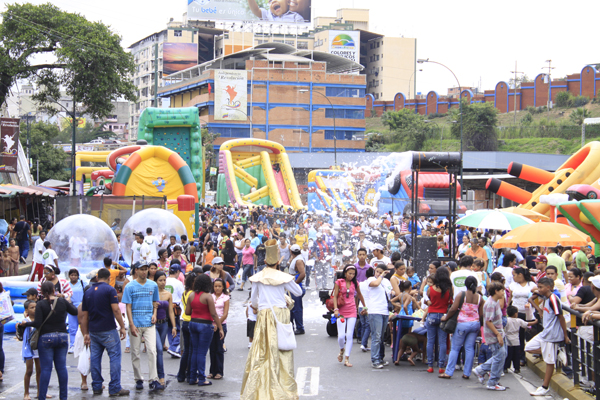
[297, 269]
[592, 312]
[99, 310]
[379, 255]
[37, 266]
[61, 285]
[540, 265]
[30, 294]
[217, 272]
[269, 373]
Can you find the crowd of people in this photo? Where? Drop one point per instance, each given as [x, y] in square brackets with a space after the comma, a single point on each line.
[173, 296]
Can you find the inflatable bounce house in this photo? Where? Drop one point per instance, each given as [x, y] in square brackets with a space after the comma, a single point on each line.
[329, 189]
[578, 177]
[256, 172]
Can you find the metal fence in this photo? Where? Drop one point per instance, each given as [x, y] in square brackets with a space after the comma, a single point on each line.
[110, 209]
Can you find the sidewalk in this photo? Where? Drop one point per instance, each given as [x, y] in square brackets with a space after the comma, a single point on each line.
[559, 383]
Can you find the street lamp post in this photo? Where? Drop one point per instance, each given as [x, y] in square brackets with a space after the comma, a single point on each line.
[73, 151]
[421, 61]
[410, 80]
[334, 131]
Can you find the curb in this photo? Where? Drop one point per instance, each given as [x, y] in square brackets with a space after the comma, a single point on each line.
[559, 382]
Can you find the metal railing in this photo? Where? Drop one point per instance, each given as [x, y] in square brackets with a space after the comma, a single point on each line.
[584, 357]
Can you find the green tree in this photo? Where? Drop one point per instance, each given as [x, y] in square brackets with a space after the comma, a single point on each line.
[578, 115]
[520, 79]
[83, 135]
[408, 128]
[375, 142]
[53, 161]
[479, 126]
[88, 60]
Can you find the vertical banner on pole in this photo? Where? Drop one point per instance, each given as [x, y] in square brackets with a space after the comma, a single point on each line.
[9, 136]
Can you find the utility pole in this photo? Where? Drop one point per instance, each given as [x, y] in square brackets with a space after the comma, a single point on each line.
[515, 91]
[550, 68]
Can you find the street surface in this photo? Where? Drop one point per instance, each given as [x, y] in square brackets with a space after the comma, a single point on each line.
[318, 373]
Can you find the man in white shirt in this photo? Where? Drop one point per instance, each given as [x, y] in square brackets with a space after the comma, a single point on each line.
[506, 269]
[175, 287]
[37, 266]
[459, 276]
[153, 244]
[135, 247]
[49, 256]
[379, 256]
[76, 245]
[379, 289]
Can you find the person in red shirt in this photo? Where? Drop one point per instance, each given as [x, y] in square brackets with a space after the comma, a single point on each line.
[540, 264]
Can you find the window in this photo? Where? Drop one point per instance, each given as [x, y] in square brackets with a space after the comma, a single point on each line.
[377, 44]
[231, 132]
[377, 58]
[344, 113]
[302, 45]
[178, 33]
[344, 92]
[371, 46]
[339, 134]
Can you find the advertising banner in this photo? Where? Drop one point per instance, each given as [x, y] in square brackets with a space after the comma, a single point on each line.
[231, 95]
[280, 11]
[345, 44]
[9, 135]
[179, 56]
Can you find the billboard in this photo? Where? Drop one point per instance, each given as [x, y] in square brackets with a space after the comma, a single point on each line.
[345, 44]
[231, 95]
[9, 135]
[179, 56]
[281, 11]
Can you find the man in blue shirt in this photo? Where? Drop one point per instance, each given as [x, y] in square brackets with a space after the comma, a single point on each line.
[141, 298]
[99, 309]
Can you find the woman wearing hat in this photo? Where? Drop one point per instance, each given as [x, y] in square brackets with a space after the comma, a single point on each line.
[269, 372]
[61, 285]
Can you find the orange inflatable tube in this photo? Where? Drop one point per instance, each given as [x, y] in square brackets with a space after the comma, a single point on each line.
[508, 191]
[529, 173]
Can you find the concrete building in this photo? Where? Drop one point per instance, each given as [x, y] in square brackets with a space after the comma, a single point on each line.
[288, 95]
[148, 57]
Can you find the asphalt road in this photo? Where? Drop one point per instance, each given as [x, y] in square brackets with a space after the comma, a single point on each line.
[319, 374]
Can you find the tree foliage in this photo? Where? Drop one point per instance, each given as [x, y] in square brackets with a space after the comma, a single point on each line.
[579, 114]
[83, 135]
[408, 128]
[53, 161]
[479, 121]
[89, 62]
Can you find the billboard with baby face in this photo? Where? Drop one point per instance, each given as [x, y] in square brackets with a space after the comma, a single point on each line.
[275, 11]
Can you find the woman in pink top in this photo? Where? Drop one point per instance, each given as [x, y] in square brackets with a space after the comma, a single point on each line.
[467, 327]
[217, 350]
[574, 284]
[346, 313]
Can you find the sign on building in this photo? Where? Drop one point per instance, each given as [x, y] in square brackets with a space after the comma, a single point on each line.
[345, 44]
[9, 135]
[279, 11]
[231, 95]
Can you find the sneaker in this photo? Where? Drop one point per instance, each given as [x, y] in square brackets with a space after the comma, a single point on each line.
[540, 391]
[497, 387]
[479, 375]
[502, 374]
[385, 363]
[562, 356]
[249, 344]
[174, 354]
[70, 350]
[123, 392]
[139, 385]
[24, 261]
[155, 386]
[377, 366]
[365, 349]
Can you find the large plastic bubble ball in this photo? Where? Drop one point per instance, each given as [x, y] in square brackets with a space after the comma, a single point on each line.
[163, 223]
[82, 241]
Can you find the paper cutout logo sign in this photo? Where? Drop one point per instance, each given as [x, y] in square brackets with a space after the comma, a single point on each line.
[345, 44]
[231, 95]
[9, 143]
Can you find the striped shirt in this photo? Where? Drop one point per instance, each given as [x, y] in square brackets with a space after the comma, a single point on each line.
[141, 298]
[552, 309]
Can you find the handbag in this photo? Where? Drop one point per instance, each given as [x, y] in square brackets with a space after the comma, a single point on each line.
[340, 299]
[35, 336]
[449, 325]
[286, 340]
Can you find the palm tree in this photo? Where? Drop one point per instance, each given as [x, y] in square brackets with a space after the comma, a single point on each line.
[578, 115]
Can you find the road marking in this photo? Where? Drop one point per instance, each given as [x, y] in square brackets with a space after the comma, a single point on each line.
[313, 386]
[10, 390]
[528, 386]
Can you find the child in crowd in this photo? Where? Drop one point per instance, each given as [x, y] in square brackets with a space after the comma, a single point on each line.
[404, 303]
[416, 343]
[251, 320]
[547, 342]
[513, 325]
[30, 357]
[494, 338]
[413, 278]
[123, 310]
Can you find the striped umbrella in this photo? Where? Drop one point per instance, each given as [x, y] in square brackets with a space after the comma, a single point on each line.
[494, 219]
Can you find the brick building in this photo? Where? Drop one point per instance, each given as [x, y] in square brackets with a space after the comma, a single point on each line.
[534, 94]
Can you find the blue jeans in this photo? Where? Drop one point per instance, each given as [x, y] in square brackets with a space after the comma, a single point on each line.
[73, 326]
[110, 341]
[297, 313]
[52, 348]
[434, 331]
[484, 354]
[1, 349]
[161, 337]
[307, 271]
[247, 272]
[24, 248]
[260, 267]
[378, 323]
[365, 329]
[184, 363]
[174, 341]
[201, 336]
[495, 364]
[465, 334]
